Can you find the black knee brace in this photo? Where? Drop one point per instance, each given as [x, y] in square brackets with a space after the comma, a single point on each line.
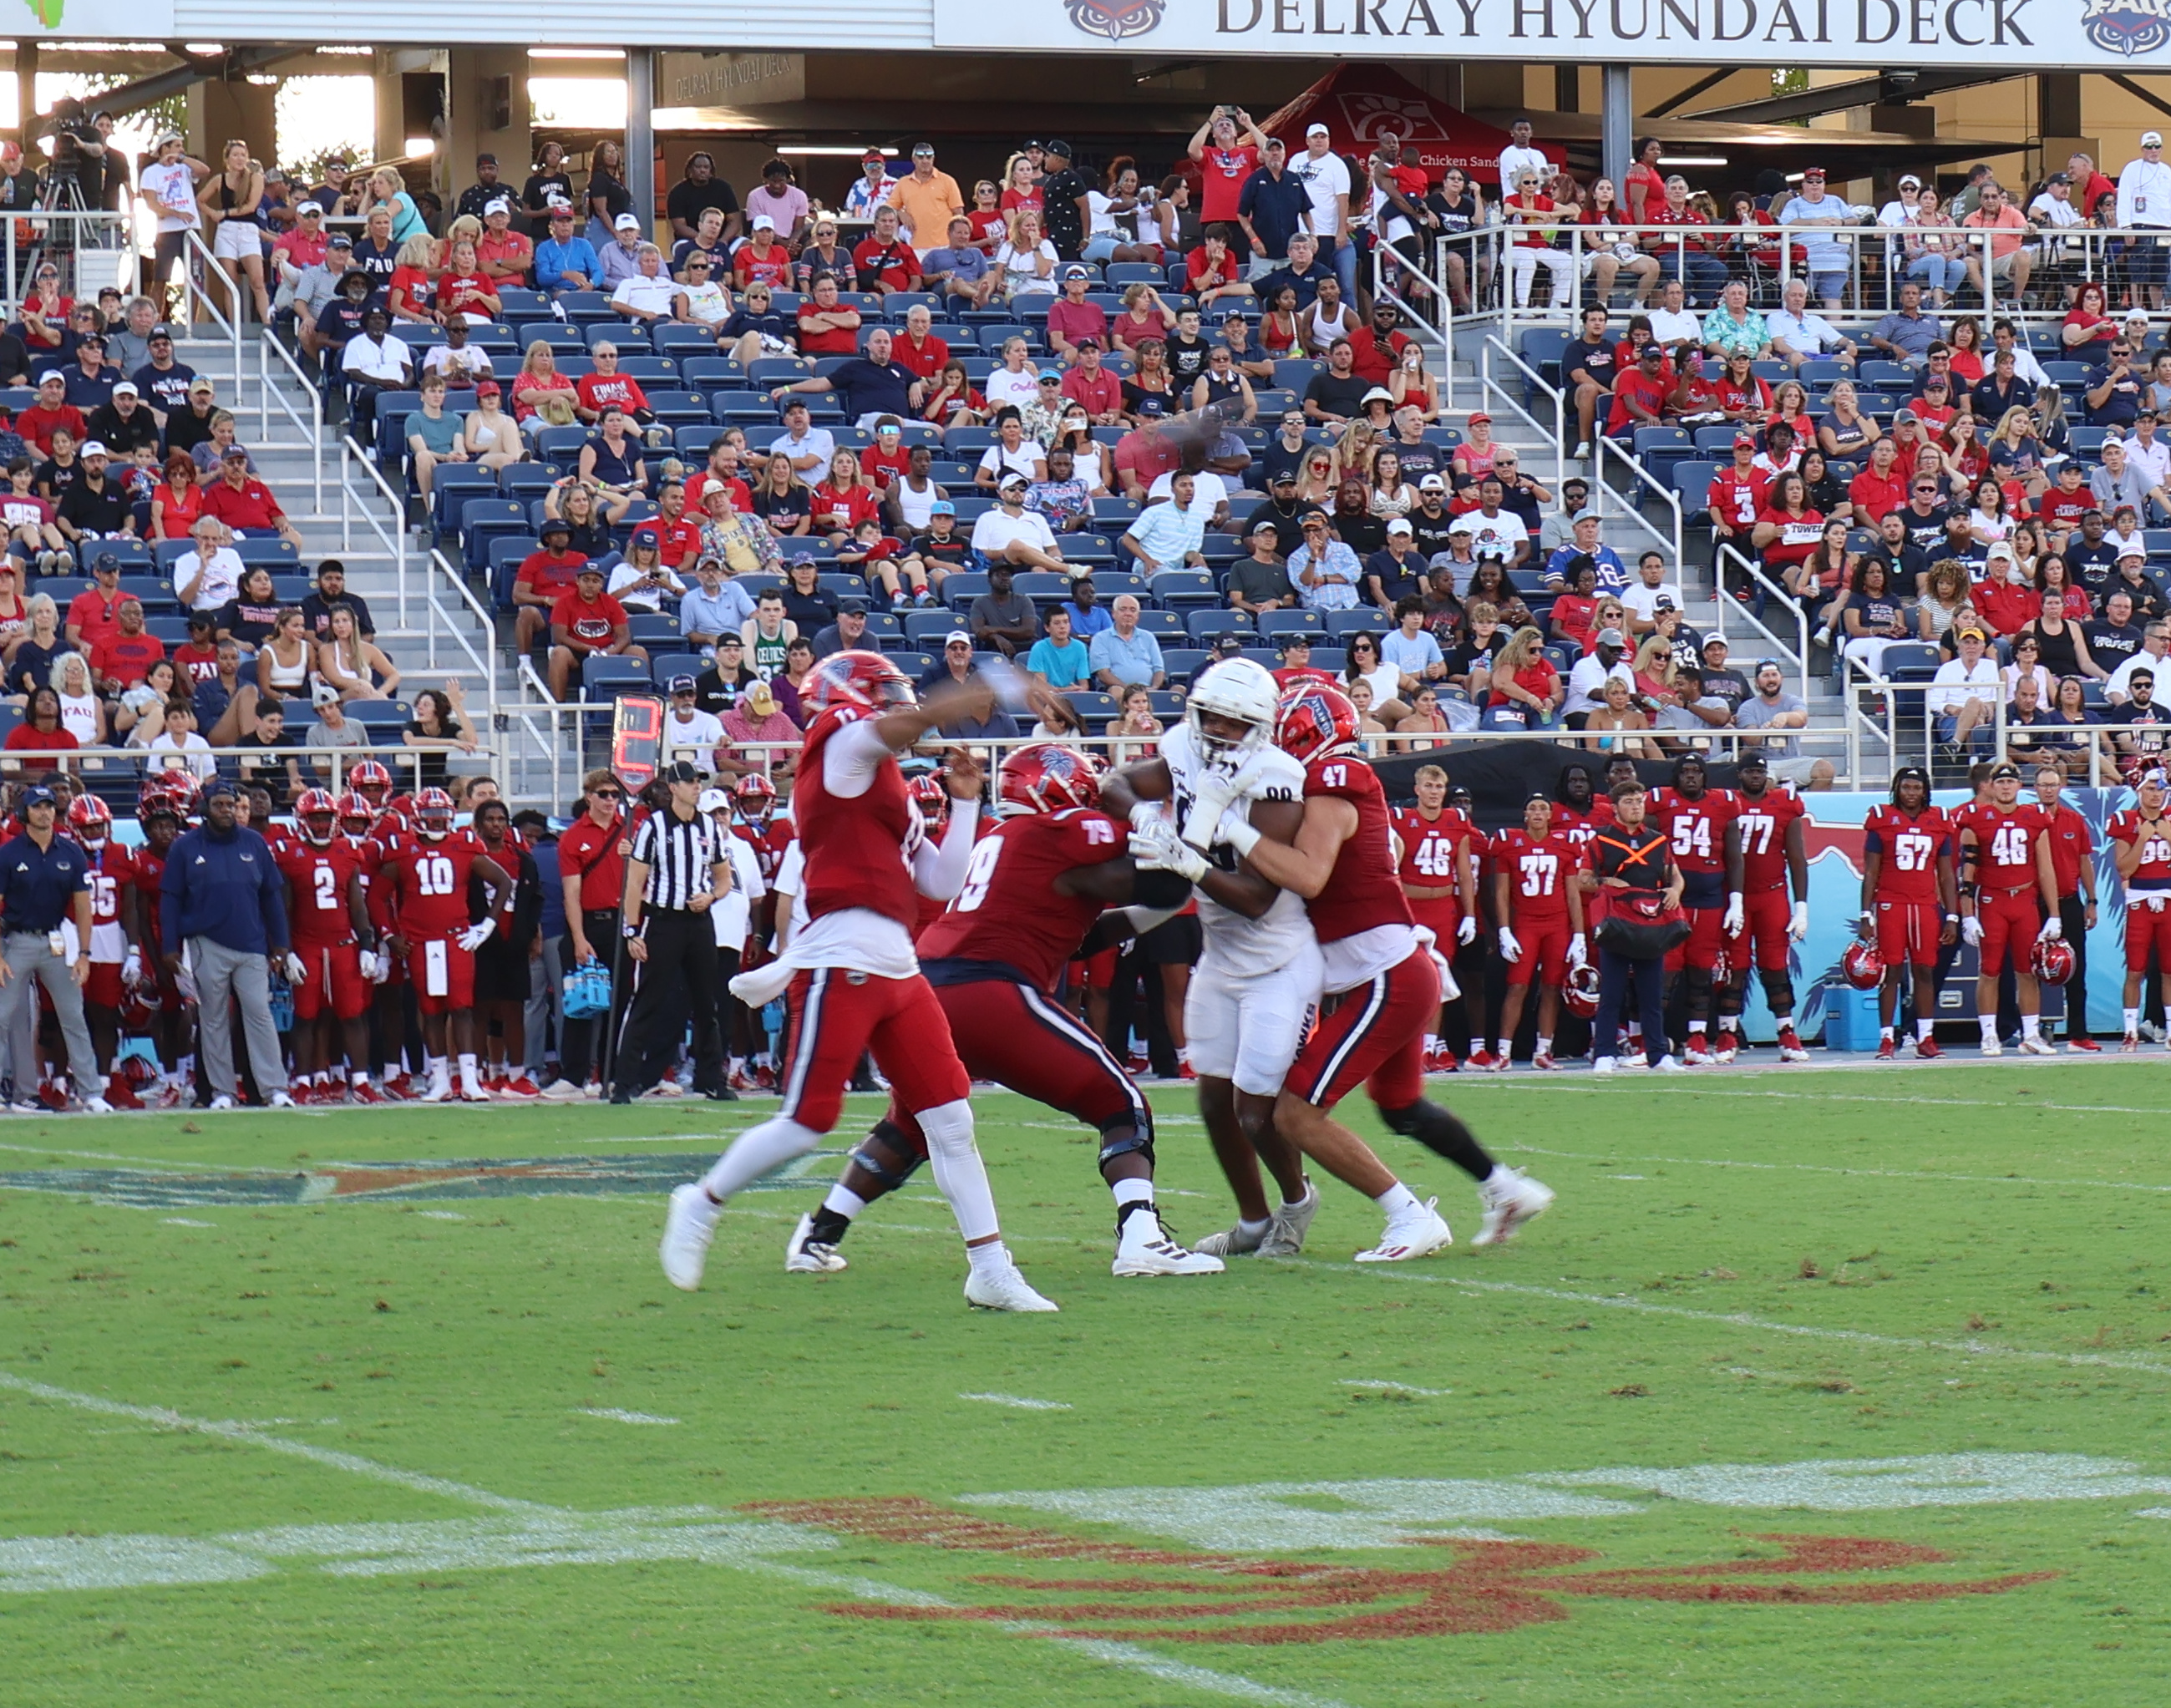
[1778, 990]
[1442, 1133]
[893, 1178]
[1125, 1137]
[1697, 985]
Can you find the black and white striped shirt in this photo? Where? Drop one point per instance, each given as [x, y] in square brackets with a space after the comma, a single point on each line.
[680, 855]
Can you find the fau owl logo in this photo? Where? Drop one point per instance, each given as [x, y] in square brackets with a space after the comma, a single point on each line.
[1118, 20]
[2127, 27]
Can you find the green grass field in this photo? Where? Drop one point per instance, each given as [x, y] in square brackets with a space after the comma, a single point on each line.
[278, 1425]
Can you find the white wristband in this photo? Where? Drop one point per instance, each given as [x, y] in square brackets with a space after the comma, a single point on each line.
[1241, 835]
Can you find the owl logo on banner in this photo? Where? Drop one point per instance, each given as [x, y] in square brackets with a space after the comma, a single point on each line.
[1118, 20]
[2127, 27]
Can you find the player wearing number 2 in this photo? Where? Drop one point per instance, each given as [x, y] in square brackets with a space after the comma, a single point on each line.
[2008, 900]
[2143, 836]
[1908, 903]
[328, 910]
[1038, 885]
[1764, 851]
[1540, 907]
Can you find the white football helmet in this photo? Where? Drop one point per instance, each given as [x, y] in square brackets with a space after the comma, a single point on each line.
[1241, 689]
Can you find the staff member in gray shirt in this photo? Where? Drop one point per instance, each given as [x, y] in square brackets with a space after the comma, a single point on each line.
[45, 879]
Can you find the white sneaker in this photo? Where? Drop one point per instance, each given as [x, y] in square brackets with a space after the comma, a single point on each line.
[1667, 1064]
[96, 1105]
[219, 1104]
[1234, 1242]
[440, 1091]
[282, 1100]
[2037, 1046]
[665, 1088]
[1605, 1064]
[1413, 1234]
[1582, 451]
[1510, 1198]
[1991, 1046]
[805, 1256]
[688, 1227]
[562, 1090]
[1003, 1288]
[1143, 1247]
[1285, 1235]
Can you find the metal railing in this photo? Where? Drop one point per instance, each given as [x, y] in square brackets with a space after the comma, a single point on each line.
[393, 539]
[99, 767]
[89, 249]
[311, 427]
[197, 294]
[1753, 575]
[1506, 397]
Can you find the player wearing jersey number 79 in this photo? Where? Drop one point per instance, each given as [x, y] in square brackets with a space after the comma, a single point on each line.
[2005, 856]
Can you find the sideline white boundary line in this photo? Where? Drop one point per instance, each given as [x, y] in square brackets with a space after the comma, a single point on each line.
[1533, 1083]
[1128, 1655]
[1812, 1168]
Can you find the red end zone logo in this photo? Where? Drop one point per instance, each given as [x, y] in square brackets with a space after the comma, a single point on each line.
[1117, 20]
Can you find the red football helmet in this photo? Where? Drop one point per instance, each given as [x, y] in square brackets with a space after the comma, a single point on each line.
[90, 822]
[2052, 960]
[932, 799]
[356, 814]
[433, 815]
[371, 781]
[1862, 965]
[856, 678]
[1579, 990]
[757, 797]
[1314, 721]
[317, 814]
[1047, 777]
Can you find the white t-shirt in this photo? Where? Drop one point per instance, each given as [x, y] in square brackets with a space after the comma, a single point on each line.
[702, 733]
[650, 296]
[1003, 387]
[1514, 160]
[191, 753]
[1644, 600]
[624, 576]
[1018, 267]
[173, 189]
[222, 577]
[1208, 491]
[441, 358]
[993, 532]
[1323, 180]
[707, 303]
[1672, 326]
[1026, 459]
[79, 718]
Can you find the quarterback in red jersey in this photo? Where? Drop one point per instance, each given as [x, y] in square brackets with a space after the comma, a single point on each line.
[1038, 886]
[1765, 852]
[2009, 898]
[1439, 871]
[2143, 836]
[422, 882]
[115, 957]
[1909, 906]
[1694, 816]
[855, 983]
[333, 957]
[1342, 864]
[1539, 903]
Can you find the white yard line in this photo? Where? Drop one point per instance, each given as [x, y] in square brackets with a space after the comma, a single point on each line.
[1019, 1402]
[613, 1414]
[1812, 1168]
[1704, 1087]
[1399, 1388]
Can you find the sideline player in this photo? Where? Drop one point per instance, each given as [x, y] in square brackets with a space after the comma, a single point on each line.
[1038, 885]
[855, 983]
[2143, 837]
[1342, 864]
[1440, 876]
[155, 988]
[1694, 816]
[1765, 851]
[2005, 868]
[333, 963]
[1259, 967]
[1539, 902]
[1906, 886]
[424, 877]
[111, 951]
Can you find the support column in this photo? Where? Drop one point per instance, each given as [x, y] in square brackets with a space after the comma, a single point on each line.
[26, 89]
[640, 133]
[1567, 88]
[1618, 123]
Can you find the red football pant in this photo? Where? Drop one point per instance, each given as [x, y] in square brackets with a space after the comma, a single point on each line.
[443, 974]
[1907, 933]
[1011, 1033]
[103, 990]
[1375, 1038]
[838, 1016]
[2010, 919]
[1544, 959]
[1443, 916]
[1701, 950]
[2146, 929]
[334, 981]
[1766, 915]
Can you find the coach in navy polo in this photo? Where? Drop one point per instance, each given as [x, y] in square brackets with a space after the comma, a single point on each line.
[45, 879]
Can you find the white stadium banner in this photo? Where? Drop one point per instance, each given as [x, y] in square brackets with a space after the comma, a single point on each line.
[2024, 35]
[84, 20]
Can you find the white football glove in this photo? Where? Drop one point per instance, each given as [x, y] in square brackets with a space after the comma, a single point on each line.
[477, 934]
[1146, 814]
[1160, 850]
[1971, 930]
[294, 967]
[1216, 788]
[2052, 929]
[1577, 953]
[185, 982]
[131, 968]
[383, 970]
[1736, 912]
[367, 961]
[1798, 928]
[1465, 933]
[1511, 950]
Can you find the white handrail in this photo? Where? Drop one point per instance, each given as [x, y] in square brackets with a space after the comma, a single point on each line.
[46, 226]
[395, 541]
[1490, 387]
[1727, 603]
[1602, 447]
[193, 241]
[313, 429]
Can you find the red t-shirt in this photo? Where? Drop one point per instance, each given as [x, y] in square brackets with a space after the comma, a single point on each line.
[590, 622]
[885, 468]
[413, 285]
[1633, 385]
[547, 577]
[1799, 535]
[675, 540]
[836, 341]
[1881, 495]
[2071, 841]
[921, 361]
[595, 855]
[124, 658]
[1221, 175]
[94, 615]
[460, 293]
[37, 422]
[885, 266]
[248, 507]
[616, 391]
[1099, 392]
[856, 504]
[1077, 320]
[773, 269]
[198, 664]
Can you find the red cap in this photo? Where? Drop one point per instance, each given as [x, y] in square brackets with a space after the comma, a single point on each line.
[1477, 416]
[1813, 171]
[1744, 438]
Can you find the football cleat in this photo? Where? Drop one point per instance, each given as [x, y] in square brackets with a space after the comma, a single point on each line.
[1543, 1063]
[1888, 1050]
[219, 1105]
[520, 1089]
[2128, 1045]
[806, 1256]
[282, 1100]
[1729, 1046]
[1284, 1234]
[1696, 1055]
[1416, 1233]
[2037, 1046]
[1233, 1243]
[362, 1091]
[1667, 1064]
[1003, 1287]
[2084, 1046]
[1991, 1046]
[1926, 1050]
[94, 1105]
[561, 1091]
[1479, 1060]
[1510, 1198]
[2152, 1031]
[1143, 1247]
[689, 1225]
[120, 1093]
[1790, 1046]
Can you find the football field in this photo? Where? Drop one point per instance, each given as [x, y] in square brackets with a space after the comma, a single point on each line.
[1815, 1384]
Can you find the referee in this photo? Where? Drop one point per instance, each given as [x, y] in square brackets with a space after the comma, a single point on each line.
[676, 869]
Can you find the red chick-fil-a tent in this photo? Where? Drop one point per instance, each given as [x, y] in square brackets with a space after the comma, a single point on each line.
[1360, 103]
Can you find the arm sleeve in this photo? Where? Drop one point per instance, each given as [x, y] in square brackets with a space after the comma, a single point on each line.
[939, 872]
[850, 757]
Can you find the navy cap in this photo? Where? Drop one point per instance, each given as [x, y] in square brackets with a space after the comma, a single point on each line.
[40, 796]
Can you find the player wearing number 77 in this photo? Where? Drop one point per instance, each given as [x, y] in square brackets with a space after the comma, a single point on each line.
[1540, 908]
[1764, 850]
[2006, 870]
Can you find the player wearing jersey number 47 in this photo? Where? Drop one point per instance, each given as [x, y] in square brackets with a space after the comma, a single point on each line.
[1342, 862]
[2008, 903]
[857, 985]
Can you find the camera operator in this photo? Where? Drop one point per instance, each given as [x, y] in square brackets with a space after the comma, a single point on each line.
[78, 152]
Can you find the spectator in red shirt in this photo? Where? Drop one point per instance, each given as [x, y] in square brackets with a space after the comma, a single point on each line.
[95, 613]
[677, 535]
[1639, 395]
[245, 505]
[723, 468]
[40, 732]
[544, 578]
[2002, 600]
[121, 659]
[1091, 386]
[504, 255]
[1881, 488]
[763, 258]
[917, 350]
[607, 389]
[1071, 319]
[886, 262]
[52, 410]
[1213, 270]
[1225, 161]
[1374, 349]
[586, 623]
[825, 327]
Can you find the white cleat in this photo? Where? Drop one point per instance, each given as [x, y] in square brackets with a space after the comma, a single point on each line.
[1991, 1046]
[1003, 1288]
[219, 1105]
[1285, 1235]
[805, 1256]
[1698, 1055]
[2037, 1047]
[562, 1091]
[1667, 1064]
[96, 1105]
[688, 1227]
[1234, 1242]
[1605, 1064]
[1416, 1233]
[1510, 1198]
[280, 1099]
[1143, 1247]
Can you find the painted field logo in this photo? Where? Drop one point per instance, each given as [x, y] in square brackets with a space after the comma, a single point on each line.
[1176, 1597]
[1117, 20]
[2128, 27]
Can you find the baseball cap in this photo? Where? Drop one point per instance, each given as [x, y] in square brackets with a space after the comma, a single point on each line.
[42, 796]
[713, 800]
[127, 387]
[1461, 524]
[318, 207]
[2152, 139]
[323, 694]
[1717, 640]
[1054, 373]
[1813, 171]
[1908, 180]
[496, 204]
[1267, 524]
[1431, 483]
[1283, 477]
[105, 561]
[1400, 524]
[339, 240]
[1229, 646]
[1085, 343]
[1151, 406]
[553, 524]
[684, 771]
[1744, 438]
[626, 222]
[221, 787]
[96, 447]
[233, 453]
[167, 332]
[1999, 549]
[1588, 514]
[1652, 352]
[489, 388]
[871, 154]
[1316, 129]
[1611, 637]
[1010, 479]
[942, 506]
[857, 606]
[1294, 639]
[1477, 416]
[1074, 271]
[201, 384]
[2059, 178]
[957, 637]
[762, 221]
[682, 684]
[560, 208]
[1061, 151]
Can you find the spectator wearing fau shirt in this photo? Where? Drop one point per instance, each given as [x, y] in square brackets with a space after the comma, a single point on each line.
[588, 623]
[607, 389]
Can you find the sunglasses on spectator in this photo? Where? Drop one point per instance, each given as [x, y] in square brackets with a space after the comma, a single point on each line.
[608, 794]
